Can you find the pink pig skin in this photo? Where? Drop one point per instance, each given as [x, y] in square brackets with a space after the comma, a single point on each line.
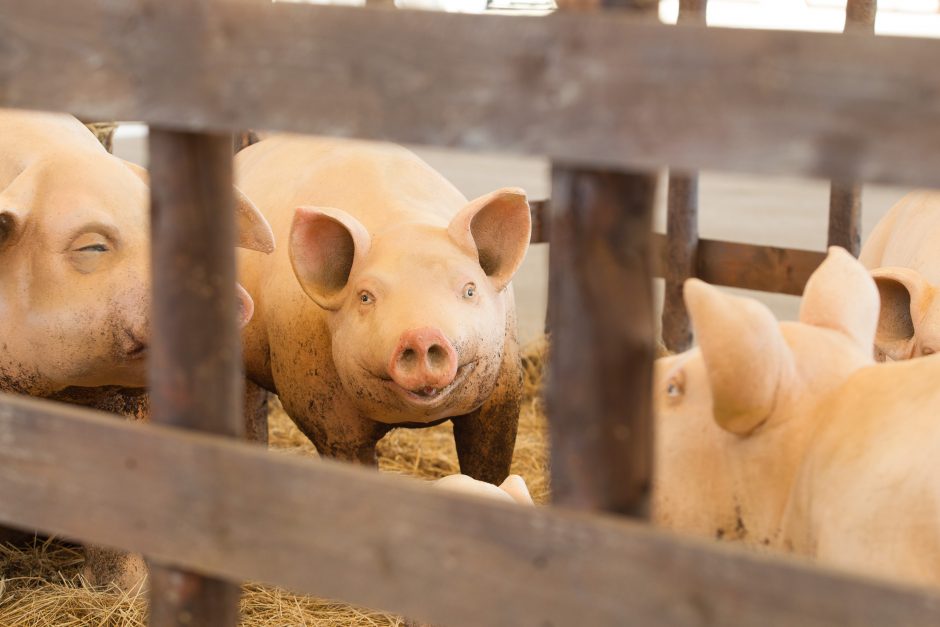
[75, 263]
[903, 254]
[790, 436]
[75, 278]
[388, 303]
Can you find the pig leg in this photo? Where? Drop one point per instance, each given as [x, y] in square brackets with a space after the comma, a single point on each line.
[256, 413]
[486, 437]
[345, 436]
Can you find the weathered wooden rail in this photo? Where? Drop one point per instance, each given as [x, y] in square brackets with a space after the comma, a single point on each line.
[607, 97]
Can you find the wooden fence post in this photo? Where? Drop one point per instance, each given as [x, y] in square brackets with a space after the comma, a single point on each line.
[195, 366]
[681, 257]
[600, 375]
[681, 229]
[845, 197]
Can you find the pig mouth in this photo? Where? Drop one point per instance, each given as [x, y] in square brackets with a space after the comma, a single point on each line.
[427, 396]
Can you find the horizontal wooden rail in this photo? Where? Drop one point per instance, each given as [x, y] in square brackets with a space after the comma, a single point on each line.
[236, 511]
[731, 264]
[580, 88]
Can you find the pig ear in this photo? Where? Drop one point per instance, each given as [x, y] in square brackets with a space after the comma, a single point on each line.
[745, 355]
[841, 295]
[324, 246]
[140, 171]
[495, 229]
[902, 292]
[254, 232]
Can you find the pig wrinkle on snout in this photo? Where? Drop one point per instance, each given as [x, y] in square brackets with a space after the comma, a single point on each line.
[789, 436]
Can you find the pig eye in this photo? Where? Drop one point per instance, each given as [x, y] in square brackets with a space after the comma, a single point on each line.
[469, 290]
[93, 248]
[674, 388]
[366, 298]
[86, 251]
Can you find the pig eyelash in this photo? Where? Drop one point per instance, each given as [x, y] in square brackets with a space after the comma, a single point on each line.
[96, 248]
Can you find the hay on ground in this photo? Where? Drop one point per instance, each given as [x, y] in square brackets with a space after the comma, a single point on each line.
[42, 585]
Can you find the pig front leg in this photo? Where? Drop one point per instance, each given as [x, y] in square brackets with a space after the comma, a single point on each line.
[486, 438]
[345, 436]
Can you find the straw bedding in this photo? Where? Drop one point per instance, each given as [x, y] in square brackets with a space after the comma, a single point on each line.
[41, 585]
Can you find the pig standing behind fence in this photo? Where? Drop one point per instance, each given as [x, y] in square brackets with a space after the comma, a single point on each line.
[789, 435]
[904, 255]
[389, 302]
[75, 275]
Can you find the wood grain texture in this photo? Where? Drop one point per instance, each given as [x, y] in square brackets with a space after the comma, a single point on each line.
[584, 87]
[681, 257]
[764, 268]
[195, 364]
[845, 198]
[232, 510]
[600, 377]
[860, 16]
[731, 264]
[682, 236]
[845, 216]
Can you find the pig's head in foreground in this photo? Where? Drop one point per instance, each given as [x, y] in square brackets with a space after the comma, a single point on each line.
[734, 416]
[75, 274]
[419, 313]
[909, 325]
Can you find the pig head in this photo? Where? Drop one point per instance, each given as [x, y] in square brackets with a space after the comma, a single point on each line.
[417, 312]
[75, 273]
[735, 416]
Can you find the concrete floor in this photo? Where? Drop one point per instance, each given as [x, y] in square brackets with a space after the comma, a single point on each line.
[775, 211]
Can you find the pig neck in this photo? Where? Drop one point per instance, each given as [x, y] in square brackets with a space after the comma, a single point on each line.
[772, 456]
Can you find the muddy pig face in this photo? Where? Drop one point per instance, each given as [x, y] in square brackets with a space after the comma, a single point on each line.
[418, 313]
[75, 275]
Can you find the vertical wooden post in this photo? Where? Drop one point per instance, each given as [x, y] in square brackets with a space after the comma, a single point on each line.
[681, 257]
[195, 371]
[845, 197]
[600, 375]
[681, 229]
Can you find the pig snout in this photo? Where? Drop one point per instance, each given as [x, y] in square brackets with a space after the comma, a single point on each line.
[424, 361]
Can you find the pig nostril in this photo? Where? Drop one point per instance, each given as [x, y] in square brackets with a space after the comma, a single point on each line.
[437, 356]
[408, 357]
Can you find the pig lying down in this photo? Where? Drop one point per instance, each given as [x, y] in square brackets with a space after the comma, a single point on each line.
[904, 255]
[388, 303]
[789, 435]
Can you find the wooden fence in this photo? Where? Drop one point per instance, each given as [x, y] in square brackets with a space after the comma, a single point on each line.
[609, 97]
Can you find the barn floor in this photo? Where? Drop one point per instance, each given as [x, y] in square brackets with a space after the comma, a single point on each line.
[41, 585]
